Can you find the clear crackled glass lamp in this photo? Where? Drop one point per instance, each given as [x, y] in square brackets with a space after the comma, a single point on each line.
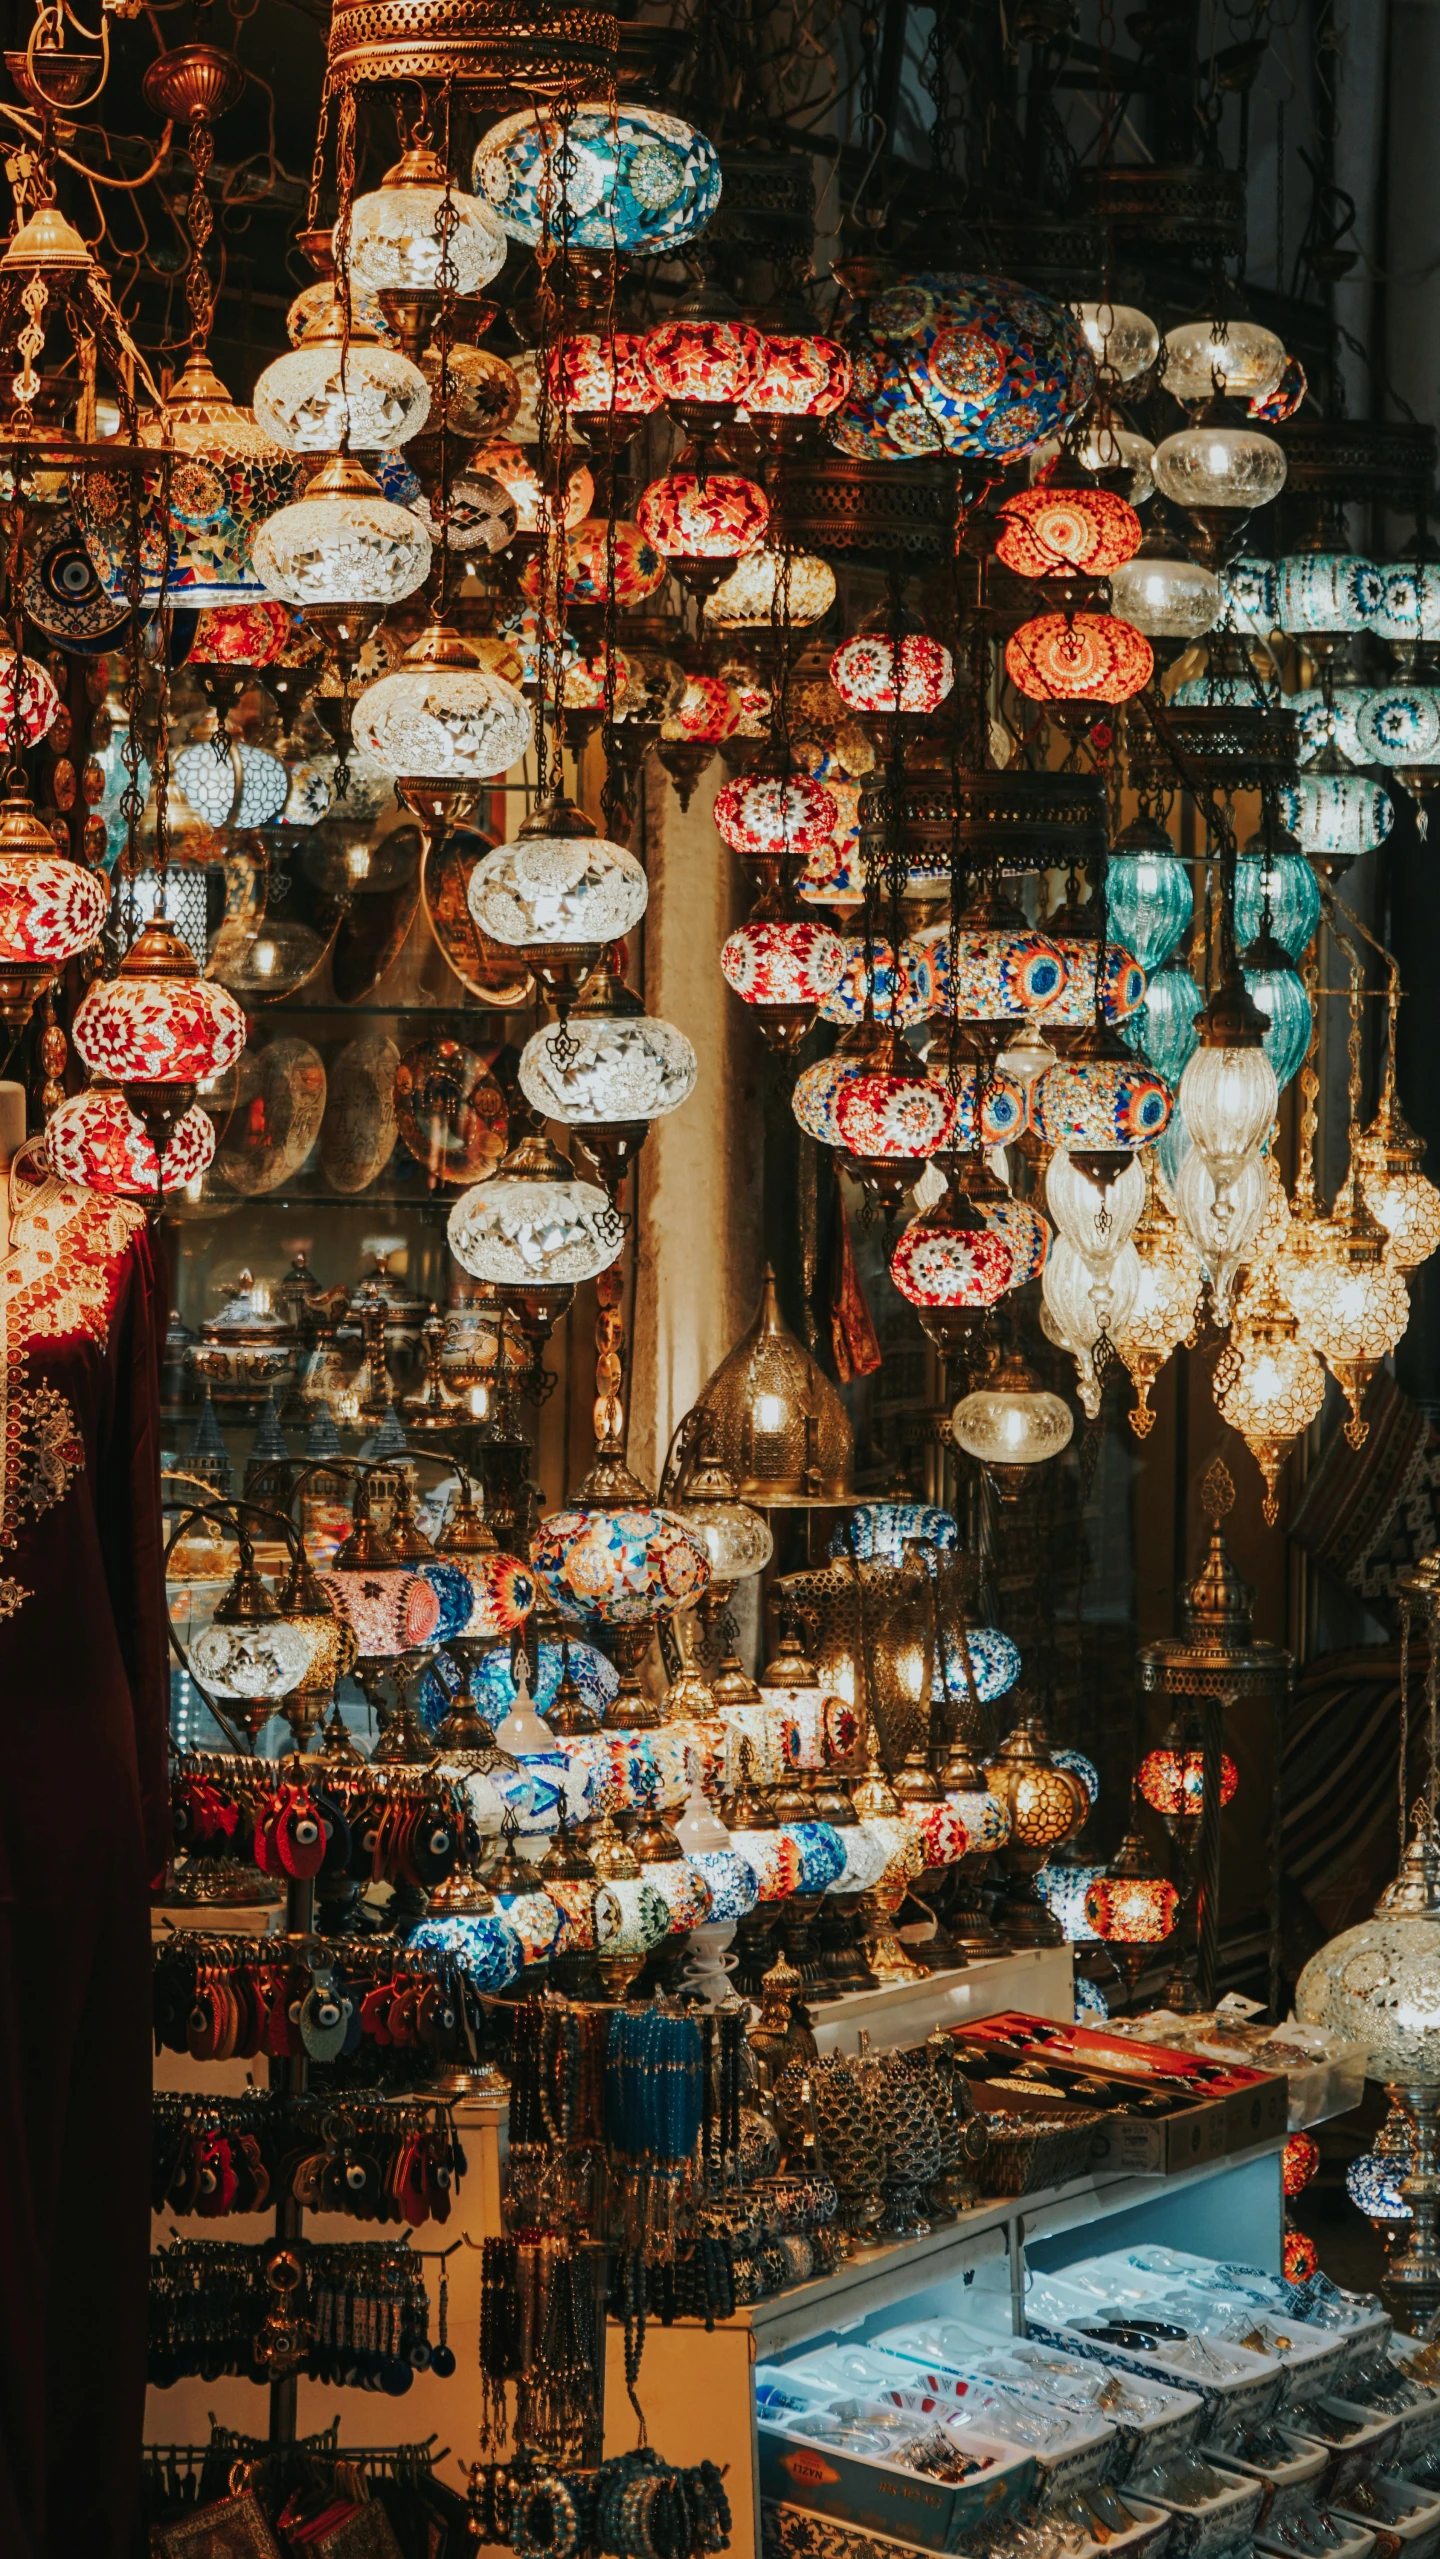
[1011, 1423]
[396, 232]
[532, 1224]
[610, 1070]
[559, 891]
[442, 715]
[332, 391]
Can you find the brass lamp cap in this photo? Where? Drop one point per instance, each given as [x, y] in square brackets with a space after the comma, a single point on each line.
[23, 832]
[47, 240]
[1232, 1018]
[557, 816]
[159, 950]
[420, 166]
[440, 644]
[344, 477]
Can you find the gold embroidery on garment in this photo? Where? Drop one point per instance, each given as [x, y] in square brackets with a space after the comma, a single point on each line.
[58, 1277]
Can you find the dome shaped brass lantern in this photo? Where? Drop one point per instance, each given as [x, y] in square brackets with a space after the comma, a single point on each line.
[780, 1428]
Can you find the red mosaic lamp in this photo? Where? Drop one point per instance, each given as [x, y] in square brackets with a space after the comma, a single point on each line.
[159, 1029]
[95, 1138]
[1079, 657]
[783, 966]
[51, 908]
[1172, 1782]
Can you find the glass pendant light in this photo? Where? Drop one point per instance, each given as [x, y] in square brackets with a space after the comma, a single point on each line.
[159, 1028]
[862, 669]
[1012, 1420]
[1059, 528]
[1203, 357]
[784, 966]
[950, 1257]
[1351, 1303]
[559, 891]
[1147, 891]
[397, 233]
[1273, 1383]
[632, 179]
[1081, 1300]
[1228, 1090]
[1165, 1304]
[1217, 467]
[1327, 591]
[1078, 657]
[1097, 1218]
[342, 543]
[304, 405]
[442, 715]
[51, 909]
[95, 1138]
[612, 1069]
[1165, 593]
[532, 1224]
[1333, 815]
[1124, 342]
[1164, 1028]
[1278, 991]
[1403, 1199]
[1283, 884]
[1224, 1229]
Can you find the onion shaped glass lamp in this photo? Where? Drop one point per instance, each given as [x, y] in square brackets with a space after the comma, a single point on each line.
[442, 715]
[342, 543]
[325, 395]
[398, 233]
[533, 1224]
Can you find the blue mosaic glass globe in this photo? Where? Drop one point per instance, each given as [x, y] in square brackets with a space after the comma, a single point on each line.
[1294, 893]
[1336, 814]
[965, 364]
[1319, 723]
[1150, 903]
[483, 1943]
[734, 1887]
[456, 1594]
[1373, 2183]
[1328, 591]
[629, 178]
[1281, 996]
[1090, 2000]
[994, 1660]
[1252, 596]
[1083, 1768]
[822, 1855]
[1063, 1889]
[494, 1690]
[885, 1529]
[1163, 1031]
[1401, 725]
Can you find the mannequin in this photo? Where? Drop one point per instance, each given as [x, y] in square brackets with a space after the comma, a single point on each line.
[83, 1829]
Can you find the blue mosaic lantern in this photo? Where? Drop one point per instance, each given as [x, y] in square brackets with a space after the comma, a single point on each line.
[1329, 591]
[964, 364]
[885, 1529]
[494, 1690]
[1083, 1768]
[994, 1663]
[629, 178]
[1063, 1889]
[486, 1947]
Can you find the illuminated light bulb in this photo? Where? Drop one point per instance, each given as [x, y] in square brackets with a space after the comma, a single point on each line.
[397, 233]
[1165, 1305]
[1270, 1385]
[302, 403]
[1124, 342]
[1220, 466]
[1203, 357]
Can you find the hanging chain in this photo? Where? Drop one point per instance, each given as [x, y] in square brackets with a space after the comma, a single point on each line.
[447, 223]
[200, 222]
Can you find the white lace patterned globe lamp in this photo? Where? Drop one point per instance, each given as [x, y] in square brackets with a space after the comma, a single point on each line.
[442, 715]
[342, 544]
[610, 1071]
[397, 231]
[327, 393]
[1379, 1985]
[559, 891]
[532, 1224]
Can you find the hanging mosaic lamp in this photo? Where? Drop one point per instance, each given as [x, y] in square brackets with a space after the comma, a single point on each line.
[1078, 657]
[533, 1225]
[784, 967]
[51, 909]
[1335, 817]
[892, 1111]
[767, 580]
[604, 375]
[1325, 591]
[1172, 1782]
[611, 1070]
[1048, 532]
[769, 818]
[96, 1139]
[1147, 892]
[158, 1028]
[799, 376]
[1129, 1905]
[631, 178]
[862, 669]
[949, 1257]
[626, 1563]
[342, 543]
[1271, 1384]
[871, 986]
[442, 715]
[414, 219]
[1222, 1224]
[1012, 1420]
[558, 892]
[1099, 1098]
[708, 515]
[1373, 2180]
[961, 363]
[332, 392]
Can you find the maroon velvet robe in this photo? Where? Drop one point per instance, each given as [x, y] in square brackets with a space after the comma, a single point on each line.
[83, 1827]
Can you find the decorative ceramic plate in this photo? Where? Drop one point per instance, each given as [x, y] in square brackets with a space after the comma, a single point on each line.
[358, 1136]
[64, 592]
[279, 1106]
[451, 1111]
[492, 974]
